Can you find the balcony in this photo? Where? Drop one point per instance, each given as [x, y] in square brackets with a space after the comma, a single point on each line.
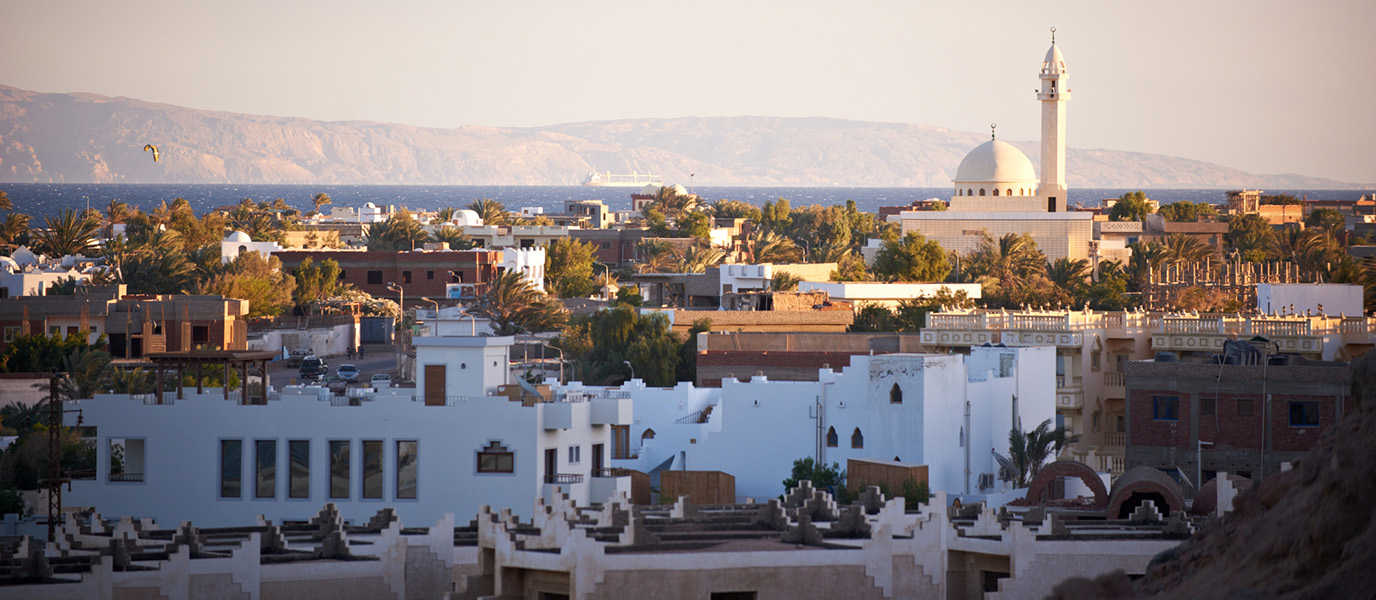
[1115, 440]
[557, 415]
[564, 478]
[611, 411]
[127, 477]
[1115, 383]
[1070, 393]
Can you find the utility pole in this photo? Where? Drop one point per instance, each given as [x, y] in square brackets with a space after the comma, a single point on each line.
[54, 480]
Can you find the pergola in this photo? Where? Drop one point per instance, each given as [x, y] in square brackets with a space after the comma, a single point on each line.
[195, 362]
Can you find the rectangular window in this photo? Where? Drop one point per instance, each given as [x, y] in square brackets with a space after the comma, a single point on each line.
[1207, 407]
[1005, 365]
[495, 458]
[231, 468]
[372, 469]
[1304, 414]
[300, 451]
[200, 334]
[339, 468]
[408, 466]
[265, 468]
[11, 333]
[406, 277]
[1244, 407]
[126, 459]
[429, 274]
[375, 277]
[1164, 408]
[575, 454]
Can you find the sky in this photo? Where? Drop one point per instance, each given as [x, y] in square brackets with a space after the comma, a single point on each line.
[1264, 86]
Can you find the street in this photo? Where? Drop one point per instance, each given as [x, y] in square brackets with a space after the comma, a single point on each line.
[375, 359]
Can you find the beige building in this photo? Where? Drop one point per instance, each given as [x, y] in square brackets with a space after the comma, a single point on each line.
[1058, 234]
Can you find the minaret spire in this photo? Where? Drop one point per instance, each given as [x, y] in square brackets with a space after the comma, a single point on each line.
[1053, 95]
[992, 127]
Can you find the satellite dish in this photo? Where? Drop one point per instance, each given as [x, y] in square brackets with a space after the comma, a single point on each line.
[1006, 469]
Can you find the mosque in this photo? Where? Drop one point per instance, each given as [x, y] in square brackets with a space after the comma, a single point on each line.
[997, 191]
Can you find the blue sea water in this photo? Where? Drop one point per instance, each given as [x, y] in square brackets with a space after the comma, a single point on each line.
[41, 199]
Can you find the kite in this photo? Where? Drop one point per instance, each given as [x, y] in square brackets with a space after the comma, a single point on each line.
[154, 149]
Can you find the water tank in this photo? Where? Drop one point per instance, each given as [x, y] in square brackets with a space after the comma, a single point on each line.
[1166, 357]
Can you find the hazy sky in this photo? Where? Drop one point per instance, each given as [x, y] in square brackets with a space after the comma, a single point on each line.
[1265, 86]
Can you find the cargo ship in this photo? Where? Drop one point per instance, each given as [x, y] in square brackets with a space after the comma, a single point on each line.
[616, 180]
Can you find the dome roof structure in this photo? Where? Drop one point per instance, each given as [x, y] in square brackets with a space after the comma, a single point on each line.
[238, 236]
[1054, 62]
[996, 161]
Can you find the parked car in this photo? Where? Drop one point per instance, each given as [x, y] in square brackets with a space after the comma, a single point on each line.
[381, 380]
[347, 373]
[313, 368]
[296, 357]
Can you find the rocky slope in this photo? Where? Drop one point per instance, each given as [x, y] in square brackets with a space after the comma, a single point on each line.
[86, 138]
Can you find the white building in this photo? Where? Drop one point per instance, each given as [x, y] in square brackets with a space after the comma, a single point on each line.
[887, 294]
[529, 262]
[239, 242]
[33, 280]
[447, 446]
[910, 407]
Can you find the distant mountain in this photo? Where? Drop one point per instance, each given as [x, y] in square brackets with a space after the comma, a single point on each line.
[87, 138]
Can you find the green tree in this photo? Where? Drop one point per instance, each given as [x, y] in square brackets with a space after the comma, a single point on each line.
[823, 477]
[1069, 275]
[776, 215]
[1029, 450]
[492, 212]
[68, 233]
[568, 268]
[1132, 206]
[514, 304]
[698, 257]
[396, 233]
[262, 282]
[784, 281]
[914, 258]
[316, 282]
[457, 238]
[14, 230]
[5, 202]
[42, 353]
[695, 224]
[735, 209]
[873, 318]
[1182, 248]
[156, 262]
[1010, 268]
[1326, 218]
[602, 342]
[1252, 236]
[656, 256]
[319, 200]
[1186, 211]
[687, 369]
[771, 247]
[88, 373]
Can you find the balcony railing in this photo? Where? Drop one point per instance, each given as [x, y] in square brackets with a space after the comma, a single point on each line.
[1115, 440]
[138, 477]
[1115, 379]
[625, 453]
[612, 472]
[564, 478]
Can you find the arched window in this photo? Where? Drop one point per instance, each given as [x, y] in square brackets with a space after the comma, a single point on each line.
[648, 435]
[958, 191]
[831, 437]
[1021, 192]
[895, 394]
[996, 191]
[970, 192]
[857, 439]
[242, 248]
[1010, 192]
[981, 191]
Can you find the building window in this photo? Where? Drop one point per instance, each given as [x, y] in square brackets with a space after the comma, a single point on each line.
[339, 468]
[299, 485]
[1208, 407]
[1094, 361]
[375, 277]
[372, 469]
[231, 468]
[648, 435]
[429, 274]
[495, 458]
[621, 442]
[733, 596]
[981, 191]
[606, 245]
[11, 333]
[857, 439]
[1304, 414]
[200, 334]
[406, 277]
[265, 468]
[1244, 407]
[996, 191]
[832, 437]
[575, 454]
[970, 192]
[408, 467]
[1164, 408]
[1010, 192]
[1005, 365]
[895, 394]
[126, 459]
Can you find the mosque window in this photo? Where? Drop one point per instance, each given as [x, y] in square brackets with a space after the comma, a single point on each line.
[970, 192]
[981, 191]
[857, 439]
[996, 191]
[1010, 192]
[895, 394]
[831, 437]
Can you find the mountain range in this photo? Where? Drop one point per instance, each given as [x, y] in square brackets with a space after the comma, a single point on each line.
[88, 138]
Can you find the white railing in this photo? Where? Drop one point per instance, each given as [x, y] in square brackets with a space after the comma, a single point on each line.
[1115, 440]
[1115, 379]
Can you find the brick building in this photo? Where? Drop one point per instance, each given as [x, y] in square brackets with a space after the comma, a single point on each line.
[133, 324]
[418, 273]
[615, 247]
[1246, 419]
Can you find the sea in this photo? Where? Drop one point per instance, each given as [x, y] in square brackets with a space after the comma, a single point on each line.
[44, 199]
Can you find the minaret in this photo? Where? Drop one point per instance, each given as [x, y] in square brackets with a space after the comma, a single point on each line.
[1053, 95]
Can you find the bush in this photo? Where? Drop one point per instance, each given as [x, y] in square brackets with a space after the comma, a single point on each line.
[12, 503]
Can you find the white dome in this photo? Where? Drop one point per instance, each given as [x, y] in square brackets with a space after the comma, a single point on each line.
[238, 236]
[468, 218]
[649, 190]
[9, 262]
[995, 161]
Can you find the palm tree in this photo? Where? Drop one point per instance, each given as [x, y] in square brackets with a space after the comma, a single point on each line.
[88, 373]
[445, 214]
[398, 232]
[131, 381]
[14, 228]
[1006, 265]
[784, 281]
[68, 234]
[490, 211]
[656, 256]
[5, 203]
[670, 202]
[1146, 256]
[1181, 248]
[697, 258]
[117, 213]
[1069, 274]
[771, 247]
[514, 304]
[1028, 450]
[457, 238]
[320, 200]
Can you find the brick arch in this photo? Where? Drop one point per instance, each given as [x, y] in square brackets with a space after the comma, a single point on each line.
[1144, 482]
[1206, 501]
[1037, 490]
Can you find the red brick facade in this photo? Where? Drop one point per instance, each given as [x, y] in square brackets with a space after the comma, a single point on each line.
[419, 274]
